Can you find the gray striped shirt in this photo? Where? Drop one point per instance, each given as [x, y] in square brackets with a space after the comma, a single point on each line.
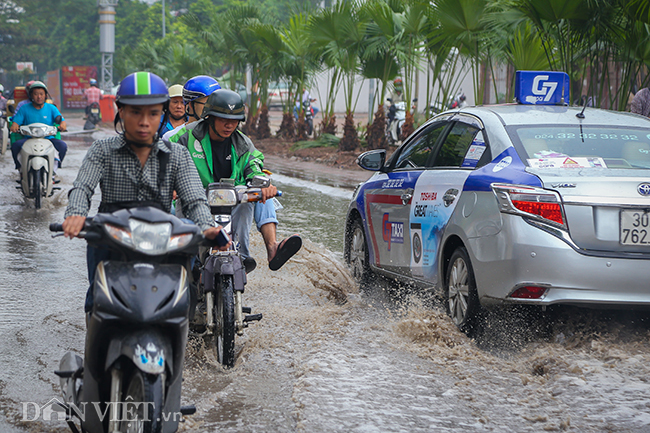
[116, 168]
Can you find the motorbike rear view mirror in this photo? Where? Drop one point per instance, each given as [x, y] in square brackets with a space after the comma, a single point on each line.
[389, 99]
[58, 119]
[373, 160]
[259, 181]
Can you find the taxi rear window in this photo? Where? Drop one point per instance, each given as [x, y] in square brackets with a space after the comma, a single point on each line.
[557, 146]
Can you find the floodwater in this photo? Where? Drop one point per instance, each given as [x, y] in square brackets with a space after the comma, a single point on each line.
[326, 357]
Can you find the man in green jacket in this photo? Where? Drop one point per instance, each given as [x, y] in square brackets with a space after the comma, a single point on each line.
[220, 151]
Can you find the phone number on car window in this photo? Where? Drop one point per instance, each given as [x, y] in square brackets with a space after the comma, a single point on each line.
[584, 136]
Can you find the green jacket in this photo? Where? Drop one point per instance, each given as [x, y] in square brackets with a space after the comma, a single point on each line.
[247, 161]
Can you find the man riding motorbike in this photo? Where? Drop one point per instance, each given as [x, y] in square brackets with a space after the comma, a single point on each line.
[395, 97]
[220, 151]
[38, 111]
[195, 92]
[135, 168]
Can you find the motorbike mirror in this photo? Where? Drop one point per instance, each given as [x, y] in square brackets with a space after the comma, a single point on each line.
[58, 119]
[373, 160]
[415, 99]
[259, 181]
[389, 100]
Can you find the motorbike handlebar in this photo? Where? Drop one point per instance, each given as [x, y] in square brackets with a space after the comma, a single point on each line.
[56, 227]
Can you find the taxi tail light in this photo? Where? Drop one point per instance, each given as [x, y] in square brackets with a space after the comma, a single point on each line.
[529, 292]
[535, 203]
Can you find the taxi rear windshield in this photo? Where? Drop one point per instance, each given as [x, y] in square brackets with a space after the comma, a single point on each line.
[555, 146]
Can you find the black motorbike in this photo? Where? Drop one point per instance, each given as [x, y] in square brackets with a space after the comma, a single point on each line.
[223, 279]
[93, 116]
[130, 377]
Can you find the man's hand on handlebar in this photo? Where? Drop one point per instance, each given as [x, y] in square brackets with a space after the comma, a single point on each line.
[73, 225]
[212, 233]
[269, 192]
[63, 126]
[15, 127]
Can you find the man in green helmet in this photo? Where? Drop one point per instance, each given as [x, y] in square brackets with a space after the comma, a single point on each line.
[220, 151]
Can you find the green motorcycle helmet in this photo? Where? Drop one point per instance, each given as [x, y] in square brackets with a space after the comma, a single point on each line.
[226, 104]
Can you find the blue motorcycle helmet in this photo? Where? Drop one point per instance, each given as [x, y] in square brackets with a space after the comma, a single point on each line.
[198, 87]
[141, 88]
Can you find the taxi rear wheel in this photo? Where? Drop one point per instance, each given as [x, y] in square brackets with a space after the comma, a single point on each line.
[356, 252]
[461, 296]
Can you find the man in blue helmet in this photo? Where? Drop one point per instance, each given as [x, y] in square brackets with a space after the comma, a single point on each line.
[219, 151]
[195, 92]
[135, 168]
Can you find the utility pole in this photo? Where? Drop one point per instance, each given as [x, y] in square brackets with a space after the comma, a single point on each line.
[107, 41]
[163, 19]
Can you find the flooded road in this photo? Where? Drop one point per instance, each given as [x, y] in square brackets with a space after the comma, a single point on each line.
[327, 358]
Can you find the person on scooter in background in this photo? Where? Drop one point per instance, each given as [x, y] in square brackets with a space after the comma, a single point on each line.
[24, 101]
[38, 111]
[176, 115]
[135, 168]
[92, 94]
[3, 100]
[221, 151]
[395, 97]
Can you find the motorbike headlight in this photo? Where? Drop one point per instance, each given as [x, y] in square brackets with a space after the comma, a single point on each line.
[119, 234]
[152, 239]
[179, 241]
[222, 197]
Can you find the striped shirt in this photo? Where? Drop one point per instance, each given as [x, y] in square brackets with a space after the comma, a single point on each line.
[92, 94]
[113, 165]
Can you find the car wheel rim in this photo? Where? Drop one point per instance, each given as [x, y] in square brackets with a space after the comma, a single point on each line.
[358, 253]
[458, 291]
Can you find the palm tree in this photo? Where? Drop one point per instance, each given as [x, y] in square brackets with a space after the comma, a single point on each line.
[339, 34]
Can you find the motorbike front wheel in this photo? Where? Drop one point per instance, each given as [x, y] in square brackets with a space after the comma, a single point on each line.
[37, 186]
[142, 403]
[224, 320]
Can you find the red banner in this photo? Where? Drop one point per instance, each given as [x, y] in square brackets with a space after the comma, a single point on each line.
[74, 81]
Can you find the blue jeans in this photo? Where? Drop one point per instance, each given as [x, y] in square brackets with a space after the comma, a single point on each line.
[242, 218]
[59, 145]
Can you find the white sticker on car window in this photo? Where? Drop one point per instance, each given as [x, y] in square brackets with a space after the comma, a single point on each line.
[566, 162]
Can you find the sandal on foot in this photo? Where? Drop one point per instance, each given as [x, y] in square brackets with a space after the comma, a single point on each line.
[285, 251]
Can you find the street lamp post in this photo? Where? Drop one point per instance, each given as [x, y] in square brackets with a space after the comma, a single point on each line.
[163, 18]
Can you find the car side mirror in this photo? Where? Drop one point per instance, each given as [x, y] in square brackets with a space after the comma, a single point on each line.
[372, 160]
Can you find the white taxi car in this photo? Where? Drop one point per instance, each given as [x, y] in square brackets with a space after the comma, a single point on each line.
[532, 203]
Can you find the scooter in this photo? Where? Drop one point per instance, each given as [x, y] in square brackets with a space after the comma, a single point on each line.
[37, 162]
[309, 115]
[223, 277]
[130, 377]
[4, 132]
[92, 116]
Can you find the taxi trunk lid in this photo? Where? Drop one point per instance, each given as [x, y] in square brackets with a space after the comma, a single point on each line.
[606, 210]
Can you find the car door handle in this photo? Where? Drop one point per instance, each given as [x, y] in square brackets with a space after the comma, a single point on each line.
[407, 196]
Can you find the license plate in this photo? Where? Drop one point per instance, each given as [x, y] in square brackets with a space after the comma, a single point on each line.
[94, 110]
[635, 227]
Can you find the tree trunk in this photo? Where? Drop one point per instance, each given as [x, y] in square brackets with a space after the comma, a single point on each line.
[376, 134]
[250, 127]
[301, 128]
[350, 140]
[263, 128]
[287, 127]
[407, 127]
[328, 125]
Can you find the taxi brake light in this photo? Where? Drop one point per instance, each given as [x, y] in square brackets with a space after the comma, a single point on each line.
[549, 211]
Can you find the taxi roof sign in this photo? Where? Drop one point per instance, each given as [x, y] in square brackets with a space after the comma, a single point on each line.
[542, 87]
